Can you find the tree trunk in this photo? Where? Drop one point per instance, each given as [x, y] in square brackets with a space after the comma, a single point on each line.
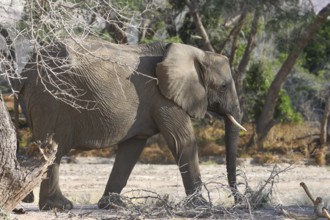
[16, 179]
[199, 25]
[240, 72]
[324, 123]
[265, 122]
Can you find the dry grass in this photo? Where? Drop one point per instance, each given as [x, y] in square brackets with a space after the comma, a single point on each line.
[288, 143]
[266, 158]
[291, 137]
[292, 143]
[156, 154]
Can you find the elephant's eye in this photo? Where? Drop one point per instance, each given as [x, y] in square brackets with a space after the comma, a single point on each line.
[223, 88]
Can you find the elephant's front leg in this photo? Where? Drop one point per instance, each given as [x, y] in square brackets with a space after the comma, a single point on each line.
[50, 193]
[127, 155]
[176, 127]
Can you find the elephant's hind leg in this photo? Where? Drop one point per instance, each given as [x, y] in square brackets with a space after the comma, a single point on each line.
[50, 193]
[127, 155]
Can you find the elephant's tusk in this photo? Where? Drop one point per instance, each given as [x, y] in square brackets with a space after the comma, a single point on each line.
[232, 119]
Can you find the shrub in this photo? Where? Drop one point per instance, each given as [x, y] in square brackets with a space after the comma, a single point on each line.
[257, 83]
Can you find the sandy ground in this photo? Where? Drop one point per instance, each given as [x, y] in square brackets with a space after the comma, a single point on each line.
[84, 180]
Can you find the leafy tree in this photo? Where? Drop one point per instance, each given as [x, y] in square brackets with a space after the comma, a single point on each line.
[317, 53]
[257, 83]
[266, 121]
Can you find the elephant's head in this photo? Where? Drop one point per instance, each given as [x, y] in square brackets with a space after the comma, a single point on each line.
[201, 81]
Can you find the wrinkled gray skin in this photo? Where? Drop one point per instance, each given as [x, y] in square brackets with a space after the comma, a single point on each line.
[131, 107]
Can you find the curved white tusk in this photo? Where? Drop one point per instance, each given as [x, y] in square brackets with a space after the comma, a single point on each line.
[232, 119]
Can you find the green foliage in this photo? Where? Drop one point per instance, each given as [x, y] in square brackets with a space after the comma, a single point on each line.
[239, 53]
[4, 88]
[258, 79]
[132, 4]
[105, 36]
[211, 11]
[317, 52]
[257, 83]
[285, 111]
[286, 22]
[175, 39]
[213, 14]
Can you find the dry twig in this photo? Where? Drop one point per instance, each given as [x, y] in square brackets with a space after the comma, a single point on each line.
[149, 204]
[253, 199]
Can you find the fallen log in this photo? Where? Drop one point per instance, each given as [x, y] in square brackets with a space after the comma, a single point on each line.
[17, 178]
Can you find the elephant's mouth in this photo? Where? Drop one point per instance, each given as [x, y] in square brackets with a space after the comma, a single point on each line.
[230, 117]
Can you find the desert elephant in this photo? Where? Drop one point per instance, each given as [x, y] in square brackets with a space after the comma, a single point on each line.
[123, 95]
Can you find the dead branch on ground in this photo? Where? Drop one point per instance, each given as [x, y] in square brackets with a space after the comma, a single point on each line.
[319, 210]
[149, 204]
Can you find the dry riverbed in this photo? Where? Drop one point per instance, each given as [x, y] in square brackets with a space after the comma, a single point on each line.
[83, 182]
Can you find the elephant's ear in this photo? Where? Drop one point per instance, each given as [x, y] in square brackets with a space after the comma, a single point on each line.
[179, 78]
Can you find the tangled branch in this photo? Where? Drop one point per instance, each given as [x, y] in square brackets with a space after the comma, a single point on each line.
[48, 24]
[149, 204]
[253, 199]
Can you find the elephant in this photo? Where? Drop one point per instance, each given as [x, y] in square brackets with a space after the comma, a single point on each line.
[94, 94]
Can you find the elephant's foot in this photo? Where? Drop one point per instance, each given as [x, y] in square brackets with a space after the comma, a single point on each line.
[111, 201]
[29, 198]
[58, 202]
[196, 201]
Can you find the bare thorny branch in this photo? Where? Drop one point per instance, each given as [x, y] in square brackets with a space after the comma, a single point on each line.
[254, 199]
[48, 24]
[149, 204]
[153, 205]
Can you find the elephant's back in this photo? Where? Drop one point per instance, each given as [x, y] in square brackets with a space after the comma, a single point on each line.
[107, 92]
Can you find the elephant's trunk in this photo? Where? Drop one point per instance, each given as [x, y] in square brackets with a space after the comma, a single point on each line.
[231, 139]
